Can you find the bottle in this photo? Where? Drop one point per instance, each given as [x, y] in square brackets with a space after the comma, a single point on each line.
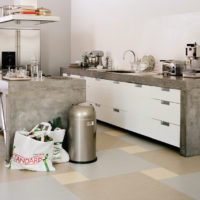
[108, 62]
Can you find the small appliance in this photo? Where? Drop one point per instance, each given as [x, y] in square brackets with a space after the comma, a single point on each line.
[173, 67]
[8, 60]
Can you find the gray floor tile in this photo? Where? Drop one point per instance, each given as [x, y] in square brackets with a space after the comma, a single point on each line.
[112, 162]
[140, 141]
[188, 184]
[35, 189]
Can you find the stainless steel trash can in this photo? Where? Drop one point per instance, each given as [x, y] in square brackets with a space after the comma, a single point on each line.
[82, 134]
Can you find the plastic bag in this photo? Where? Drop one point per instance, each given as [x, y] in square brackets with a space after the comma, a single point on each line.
[59, 154]
[31, 154]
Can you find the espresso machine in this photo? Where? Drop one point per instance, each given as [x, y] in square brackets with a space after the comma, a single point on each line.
[193, 61]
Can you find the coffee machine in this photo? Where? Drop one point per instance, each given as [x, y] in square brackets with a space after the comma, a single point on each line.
[193, 55]
[193, 61]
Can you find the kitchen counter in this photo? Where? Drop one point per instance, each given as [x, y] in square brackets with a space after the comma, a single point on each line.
[147, 78]
[190, 100]
[31, 102]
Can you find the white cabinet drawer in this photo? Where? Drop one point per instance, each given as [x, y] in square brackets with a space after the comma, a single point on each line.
[167, 94]
[129, 96]
[120, 117]
[165, 132]
[102, 92]
[166, 111]
[113, 116]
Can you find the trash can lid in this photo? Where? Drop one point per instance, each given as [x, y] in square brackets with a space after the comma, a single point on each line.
[83, 111]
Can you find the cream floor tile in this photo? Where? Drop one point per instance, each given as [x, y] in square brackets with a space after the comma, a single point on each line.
[172, 160]
[115, 133]
[105, 142]
[132, 186]
[102, 127]
[69, 178]
[134, 149]
[60, 169]
[159, 173]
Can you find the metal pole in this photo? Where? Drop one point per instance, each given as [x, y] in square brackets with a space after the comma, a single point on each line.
[18, 47]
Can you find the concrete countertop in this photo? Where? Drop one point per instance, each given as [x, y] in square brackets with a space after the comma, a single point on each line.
[147, 78]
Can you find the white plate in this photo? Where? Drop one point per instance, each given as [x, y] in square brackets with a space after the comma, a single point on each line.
[17, 79]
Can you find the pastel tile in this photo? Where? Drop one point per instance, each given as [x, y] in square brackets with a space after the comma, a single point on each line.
[45, 187]
[171, 159]
[102, 127]
[15, 175]
[105, 141]
[71, 177]
[132, 186]
[159, 173]
[60, 169]
[188, 184]
[111, 163]
[115, 133]
[134, 149]
[144, 142]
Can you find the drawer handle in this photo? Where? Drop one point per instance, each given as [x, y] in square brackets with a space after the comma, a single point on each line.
[166, 89]
[97, 105]
[163, 123]
[97, 79]
[165, 103]
[138, 85]
[116, 110]
[116, 82]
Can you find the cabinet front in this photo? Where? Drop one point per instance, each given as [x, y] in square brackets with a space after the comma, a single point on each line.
[146, 110]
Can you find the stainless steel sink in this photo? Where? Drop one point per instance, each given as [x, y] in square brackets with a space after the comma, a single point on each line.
[121, 71]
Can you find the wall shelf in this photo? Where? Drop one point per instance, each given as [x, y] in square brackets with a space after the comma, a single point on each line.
[28, 19]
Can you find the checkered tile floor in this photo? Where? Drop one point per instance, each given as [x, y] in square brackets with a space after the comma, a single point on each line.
[129, 167]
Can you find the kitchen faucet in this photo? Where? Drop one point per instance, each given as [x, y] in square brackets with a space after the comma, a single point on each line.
[131, 51]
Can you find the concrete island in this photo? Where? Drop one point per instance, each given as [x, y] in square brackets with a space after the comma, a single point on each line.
[31, 102]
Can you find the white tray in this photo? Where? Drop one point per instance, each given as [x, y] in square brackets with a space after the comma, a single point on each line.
[17, 79]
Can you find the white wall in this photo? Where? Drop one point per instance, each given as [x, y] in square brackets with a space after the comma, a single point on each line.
[55, 37]
[157, 27]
